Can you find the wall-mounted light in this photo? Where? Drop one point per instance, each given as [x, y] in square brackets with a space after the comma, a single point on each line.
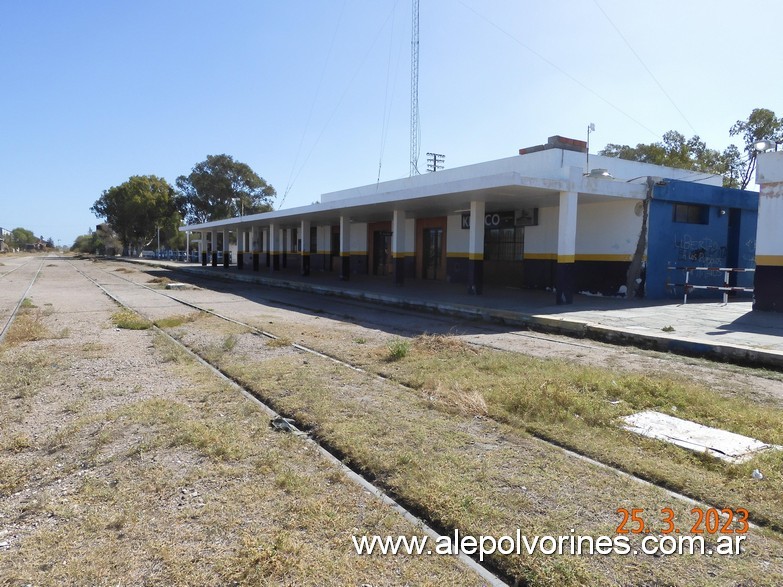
[765, 145]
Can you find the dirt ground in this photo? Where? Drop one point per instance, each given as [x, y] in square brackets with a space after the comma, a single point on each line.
[124, 462]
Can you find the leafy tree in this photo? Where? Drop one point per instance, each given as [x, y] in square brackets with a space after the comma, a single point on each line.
[762, 124]
[86, 243]
[21, 237]
[221, 187]
[137, 208]
[677, 151]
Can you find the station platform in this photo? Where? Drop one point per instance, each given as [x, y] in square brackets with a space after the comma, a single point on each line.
[706, 328]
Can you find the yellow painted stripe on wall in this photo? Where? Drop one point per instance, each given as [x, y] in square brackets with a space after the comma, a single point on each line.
[456, 255]
[402, 255]
[604, 257]
[770, 260]
[476, 256]
[566, 258]
[583, 257]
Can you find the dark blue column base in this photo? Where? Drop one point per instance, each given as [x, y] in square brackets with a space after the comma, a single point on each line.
[275, 261]
[345, 268]
[203, 258]
[305, 265]
[214, 258]
[226, 258]
[255, 261]
[240, 261]
[564, 283]
[476, 276]
[399, 270]
[768, 289]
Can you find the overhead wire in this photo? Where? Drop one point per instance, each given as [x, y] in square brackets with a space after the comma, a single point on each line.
[644, 65]
[558, 68]
[289, 184]
[386, 101]
[340, 100]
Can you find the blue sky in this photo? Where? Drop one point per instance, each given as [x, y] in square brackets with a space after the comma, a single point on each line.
[315, 95]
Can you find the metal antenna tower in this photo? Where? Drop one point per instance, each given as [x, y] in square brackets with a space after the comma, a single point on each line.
[415, 89]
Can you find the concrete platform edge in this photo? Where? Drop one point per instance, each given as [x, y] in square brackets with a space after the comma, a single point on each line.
[740, 355]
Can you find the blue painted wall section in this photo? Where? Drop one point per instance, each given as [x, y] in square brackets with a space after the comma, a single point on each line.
[726, 239]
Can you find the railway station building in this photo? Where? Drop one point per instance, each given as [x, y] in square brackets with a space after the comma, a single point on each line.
[548, 218]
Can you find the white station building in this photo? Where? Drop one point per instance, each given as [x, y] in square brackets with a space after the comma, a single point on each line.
[540, 219]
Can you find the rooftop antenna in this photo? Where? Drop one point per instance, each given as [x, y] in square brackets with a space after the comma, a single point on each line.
[414, 155]
[590, 128]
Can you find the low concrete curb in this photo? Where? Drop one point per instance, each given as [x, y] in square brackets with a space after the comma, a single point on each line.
[740, 355]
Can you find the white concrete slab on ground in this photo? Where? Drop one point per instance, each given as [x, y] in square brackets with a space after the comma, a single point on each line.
[728, 446]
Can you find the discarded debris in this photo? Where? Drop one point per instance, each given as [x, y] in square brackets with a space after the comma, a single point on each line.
[285, 425]
[724, 445]
[757, 475]
[177, 285]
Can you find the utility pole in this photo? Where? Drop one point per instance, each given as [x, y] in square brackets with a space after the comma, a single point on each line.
[414, 154]
[435, 161]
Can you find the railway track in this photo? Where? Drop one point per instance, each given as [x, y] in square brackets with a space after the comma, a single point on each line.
[145, 300]
[19, 282]
[305, 349]
[492, 576]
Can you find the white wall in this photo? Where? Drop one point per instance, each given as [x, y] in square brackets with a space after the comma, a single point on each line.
[457, 238]
[542, 239]
[607, 228]
[357, 238]
[769, 237]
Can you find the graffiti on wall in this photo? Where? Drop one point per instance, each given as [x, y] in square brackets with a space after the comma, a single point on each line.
[701, 252]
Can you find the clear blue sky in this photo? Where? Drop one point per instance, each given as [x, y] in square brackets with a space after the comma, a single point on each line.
[314, 95]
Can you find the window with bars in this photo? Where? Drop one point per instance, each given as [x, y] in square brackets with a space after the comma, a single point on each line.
[504, 244]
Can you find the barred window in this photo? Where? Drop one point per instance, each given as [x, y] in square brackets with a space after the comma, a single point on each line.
[503, 244]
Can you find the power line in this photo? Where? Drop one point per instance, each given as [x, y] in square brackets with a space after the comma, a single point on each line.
[339, 102]
[312, 107]
[647, 69]
[560, 69]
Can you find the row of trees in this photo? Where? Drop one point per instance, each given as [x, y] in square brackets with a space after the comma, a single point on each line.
[20, 238]
[735, 165]
[147, 207]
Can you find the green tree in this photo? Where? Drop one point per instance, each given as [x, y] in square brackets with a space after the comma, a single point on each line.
[221, 187]
[762, 124]
[21, 237]
[677, 151]
[86, 243]
[137, 208]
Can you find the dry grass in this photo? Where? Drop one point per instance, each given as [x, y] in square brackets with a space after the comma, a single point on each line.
[178, 320]
[180, 488]
[130, 320]
[28, 326]
[164, 281]
[481, 476]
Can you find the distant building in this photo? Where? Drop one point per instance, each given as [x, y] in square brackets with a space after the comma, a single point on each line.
[538, 220]
[5, 237]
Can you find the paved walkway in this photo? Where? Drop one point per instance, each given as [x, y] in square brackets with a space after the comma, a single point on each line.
[731, 332]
